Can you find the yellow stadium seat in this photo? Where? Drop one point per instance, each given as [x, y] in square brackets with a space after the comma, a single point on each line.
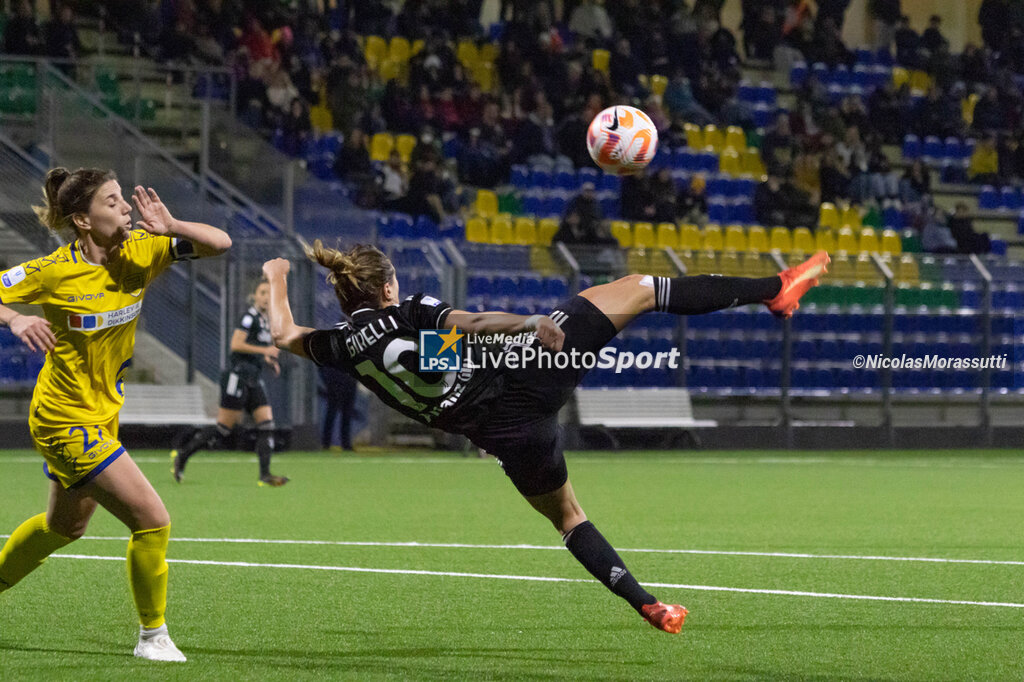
[525, 231]
[694, 136]
[735, 238]
[828, 215]
[689, 237]
[405, 144]
[637, 262]
[466, 53]
[541, 261]
[380, 146]
[489, 52]
[891, 243]
[803, 240]
[546, 230]
[687, 259]
[486, 203]
[824, 240]
[907, 271]
[967, 108]
[851, 216]
[483, 75]
[865, 271]
[667, 236]
[753, 164]
[711, 238]
[659, 264]
[390, 70]
[417, 46]
[735, 139]
[623, 233]
[706, 263]
[658, 84]
[757, 239]
[729, 264]
[846, 240]
[842, 269]
[643, 235]
[476, 231]
[729, 162]
[714, 138]
[868, 240]
[375, 50]
[781, 240]
[399, 49]
[755, 264]
[320, 118]
[920, 81]
[600, 59]
[795, 257]
[501, 230]
[900, 77]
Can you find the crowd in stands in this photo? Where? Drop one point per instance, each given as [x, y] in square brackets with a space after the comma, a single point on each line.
[290, 59]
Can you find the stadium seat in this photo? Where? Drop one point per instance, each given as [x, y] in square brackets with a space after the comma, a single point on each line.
[753, 165]
[931, 151]
[907, 271]
[851, 216]
[798, 74]
[546, 230]
[381, 144]
[781, 240]
[757, 239]
[667, 236]
[643, 235]
[622, 233]
[735, 139]
[729, 162]
[824, 240]
[405, 144]
[477, 231]
[735, 238]
[729, 264]
[706, 263]
[467, 53]
[486, 204]
[988, 198]
[399, 50]
[689, 237]
[911, 147]
[694, 136]
[714, 138]
[711, 237]
[864, 270]
[501, 230]
[375, 51]
[967, 106]
[600, 59]
[525, 231]
[658, 84]
[803, 240]
[891, 243]
[868, 240]
[900, 77]
[842, 269]
[846, 240]
[828, 215]
[489, 52]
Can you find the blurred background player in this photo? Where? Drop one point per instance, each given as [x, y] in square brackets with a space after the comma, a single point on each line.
[242, 390]
[511, 412]
[91, 292]
[339, 390]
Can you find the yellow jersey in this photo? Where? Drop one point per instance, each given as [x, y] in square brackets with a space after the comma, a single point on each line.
[93, 311]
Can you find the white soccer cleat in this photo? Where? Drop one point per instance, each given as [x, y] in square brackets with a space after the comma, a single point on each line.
[156, 645]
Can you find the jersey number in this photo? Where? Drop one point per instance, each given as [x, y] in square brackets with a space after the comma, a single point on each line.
[402, 384]
[87, 444]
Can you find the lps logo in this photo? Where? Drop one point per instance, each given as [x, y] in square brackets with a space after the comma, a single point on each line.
[440, 350]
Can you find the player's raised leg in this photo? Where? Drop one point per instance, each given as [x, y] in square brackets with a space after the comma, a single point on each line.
[625, 298]
[206, 437]
[597, 555]
[124, 491]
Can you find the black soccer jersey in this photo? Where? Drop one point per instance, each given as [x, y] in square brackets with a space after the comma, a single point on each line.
[380, 348]
[257, 333]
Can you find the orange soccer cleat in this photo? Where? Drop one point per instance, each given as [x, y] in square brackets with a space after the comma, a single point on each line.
[796, 281]
[273, 481]
[667, 617]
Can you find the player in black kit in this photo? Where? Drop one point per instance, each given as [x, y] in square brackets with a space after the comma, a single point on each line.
[242, 390]
[511, 412]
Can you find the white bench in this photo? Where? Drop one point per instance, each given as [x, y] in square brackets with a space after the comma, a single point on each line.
[160, 404]
[638, 408]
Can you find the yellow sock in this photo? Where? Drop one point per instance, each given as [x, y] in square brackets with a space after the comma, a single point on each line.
[147, 574]
[27, 549]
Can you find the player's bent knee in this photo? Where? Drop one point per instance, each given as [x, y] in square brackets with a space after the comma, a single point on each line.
[72, 530]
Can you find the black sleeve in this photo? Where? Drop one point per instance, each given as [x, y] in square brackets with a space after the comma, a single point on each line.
[425, 312]
[325, 346]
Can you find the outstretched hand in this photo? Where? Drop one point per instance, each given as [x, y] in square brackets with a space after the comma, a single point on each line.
[156, 219]
[34, 332]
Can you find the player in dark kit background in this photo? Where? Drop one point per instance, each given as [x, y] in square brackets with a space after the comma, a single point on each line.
[512, 413]
[242, 390]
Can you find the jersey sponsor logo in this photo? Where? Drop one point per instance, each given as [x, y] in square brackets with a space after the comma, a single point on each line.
[13, 276]
[84, 297]
[431, 301]
[114, 318]
[440, 350]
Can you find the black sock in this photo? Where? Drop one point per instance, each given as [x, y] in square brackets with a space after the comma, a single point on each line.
[205, 437]
[265, 445]
[707, 293]
[591, 549]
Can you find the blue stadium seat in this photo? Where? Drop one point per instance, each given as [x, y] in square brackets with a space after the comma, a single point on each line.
[988, 198]
[554, 205]
[999, 247]
[610, 182]
[540, 177]
[932, 149]
[953, 149]
[565, 180]
[1010, 199]
[556, 287]
[766, 93]
[762, 115]
[798, 74]
[747, 91]
[862, 77]
[588, 175]
[531, 285]
[425, 228]
[519, 176]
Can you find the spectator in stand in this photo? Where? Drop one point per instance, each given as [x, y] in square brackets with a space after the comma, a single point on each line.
[692, 201]
[885, 114]
[932, 38]
[1011, 159]
[779, 147]
[296, 127]
[983, 167]
[663, 190]
[22, 35]
[257, 41]
[722, 44]
[353, 160]
[974, 64]
[61, 35]
[762, 34]
[393, 179]
[679, 101]
[479, 162]
[571, 137]
[833, 177]
[962, 228]
[988, 113]
[425, 191]
[915, 184]
[994, 17]
[590, 22]
[807, 174]
[534, 139]
[939, 115]
[281, 92]
[827, 44]
[637, 199]
[778, 202]
[854, 113]
[625, 69]
[581, 223]
[908, 44]
[936, 236]
[834, 10]
[885, 14]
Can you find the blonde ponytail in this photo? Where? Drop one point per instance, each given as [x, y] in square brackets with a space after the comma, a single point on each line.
[358, 275]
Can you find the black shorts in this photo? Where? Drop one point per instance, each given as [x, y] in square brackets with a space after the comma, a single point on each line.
[521, 427]
[242, 388]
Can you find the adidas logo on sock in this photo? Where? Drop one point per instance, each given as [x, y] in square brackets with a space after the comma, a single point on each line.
[616, 575]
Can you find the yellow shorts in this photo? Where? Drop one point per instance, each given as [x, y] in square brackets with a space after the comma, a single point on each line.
[76, 454]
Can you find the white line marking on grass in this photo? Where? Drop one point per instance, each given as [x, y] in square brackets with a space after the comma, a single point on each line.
[463, 545]
[548, 579]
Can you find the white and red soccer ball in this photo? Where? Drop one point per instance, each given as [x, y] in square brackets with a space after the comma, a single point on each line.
[622, 140]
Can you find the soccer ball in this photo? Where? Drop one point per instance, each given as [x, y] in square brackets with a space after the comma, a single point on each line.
[622, 140]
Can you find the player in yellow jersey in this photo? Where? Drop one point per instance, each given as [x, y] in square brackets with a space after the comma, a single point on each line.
[91, 292]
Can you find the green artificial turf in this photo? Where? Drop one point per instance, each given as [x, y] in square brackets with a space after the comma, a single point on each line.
[73, 618]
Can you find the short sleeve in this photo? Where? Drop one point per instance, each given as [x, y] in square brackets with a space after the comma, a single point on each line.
[26, 283]
[425, 312]
[325, 346]
[164, 250]
[246, 322]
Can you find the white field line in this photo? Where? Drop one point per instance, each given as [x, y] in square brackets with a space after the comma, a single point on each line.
[533, 578]
[462, 545]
